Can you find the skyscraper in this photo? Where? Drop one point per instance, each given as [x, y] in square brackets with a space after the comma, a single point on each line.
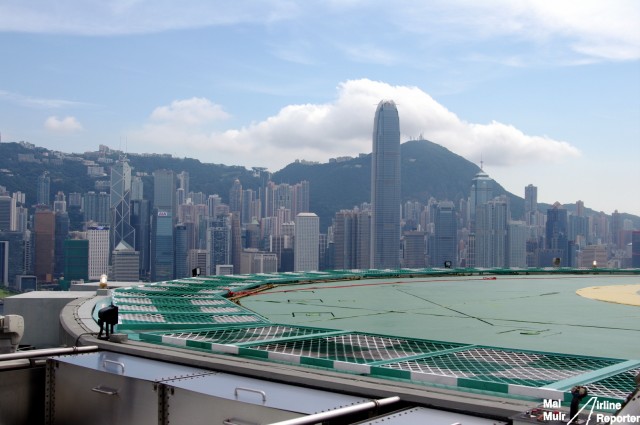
[98, 251]
[182, 251]
[481, 193]
[76, 259]
[7, 213]
[141, 222]
[218, 244]
[445, 243]
[12, 257]
[351, 241]
[301, 194]
[491, 233]
[246, 206]
[164, 190]
[530, 198]
[517, 233]
[137, 188]
[556, 233]
[162, 246]
[183, 181]
[385, 187]
[60, 235]
[44, 235]
[96, 207]
[126, 263]
[162, 258]
[120, 199]
[44, 189]
[306, 256]
[414, 249]
[60, 202]
[235, 197]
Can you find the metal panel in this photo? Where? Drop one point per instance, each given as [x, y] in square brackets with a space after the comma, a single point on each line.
[187, 407]
[130, 366]
[22, 396]
[86, 396]
[421, 416]
[264, 393]
[108, 388]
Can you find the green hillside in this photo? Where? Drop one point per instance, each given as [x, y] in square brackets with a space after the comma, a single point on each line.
[428, 170]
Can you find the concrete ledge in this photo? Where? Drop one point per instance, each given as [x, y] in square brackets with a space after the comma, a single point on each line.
[41, 311]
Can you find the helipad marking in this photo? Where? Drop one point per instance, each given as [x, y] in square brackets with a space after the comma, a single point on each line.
[619, 294]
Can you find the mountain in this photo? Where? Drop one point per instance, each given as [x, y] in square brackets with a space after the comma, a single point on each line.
[428, 170]
[22, 163]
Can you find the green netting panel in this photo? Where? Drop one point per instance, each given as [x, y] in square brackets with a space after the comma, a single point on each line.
[131, 300]
[179, 309]
[218, 290]
[163, 292]
[237, 335]
[202, 284]
[184, 320]
[617, 386]
[356, 348]
[503, 366]
[172, 301]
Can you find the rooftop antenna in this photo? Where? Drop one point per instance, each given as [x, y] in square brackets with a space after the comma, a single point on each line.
[481, 163]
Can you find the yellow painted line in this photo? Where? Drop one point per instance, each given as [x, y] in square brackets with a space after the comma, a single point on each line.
[619, 294]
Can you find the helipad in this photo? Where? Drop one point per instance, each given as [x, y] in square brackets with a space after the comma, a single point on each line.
[520, 333]
[534, 312]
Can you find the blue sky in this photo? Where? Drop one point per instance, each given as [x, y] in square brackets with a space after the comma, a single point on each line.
[544, 92]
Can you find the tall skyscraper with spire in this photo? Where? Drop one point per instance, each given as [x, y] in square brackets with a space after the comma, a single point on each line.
[385, 187]
[120, 200]
[481, 193]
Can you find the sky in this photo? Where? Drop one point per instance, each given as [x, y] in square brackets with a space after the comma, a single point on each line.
[538, 92]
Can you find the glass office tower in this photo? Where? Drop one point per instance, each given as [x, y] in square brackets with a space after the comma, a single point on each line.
[385, 187]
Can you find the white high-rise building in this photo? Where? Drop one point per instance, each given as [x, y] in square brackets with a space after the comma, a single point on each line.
[307, 236]
[491, 233]
[98, 251]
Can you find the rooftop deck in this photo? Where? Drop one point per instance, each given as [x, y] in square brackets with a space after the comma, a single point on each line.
[520, 335]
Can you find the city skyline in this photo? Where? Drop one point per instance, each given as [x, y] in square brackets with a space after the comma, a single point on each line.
[178, 236]
[530, 89]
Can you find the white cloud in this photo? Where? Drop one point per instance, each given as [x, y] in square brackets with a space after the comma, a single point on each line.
[192, 111]
[36, 102]
[593, 28]
[604, 30]
[134, 17]
[321, 131]
[64, 125]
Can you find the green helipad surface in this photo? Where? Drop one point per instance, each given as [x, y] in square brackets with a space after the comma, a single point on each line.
[518, 335]
[535, 312]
